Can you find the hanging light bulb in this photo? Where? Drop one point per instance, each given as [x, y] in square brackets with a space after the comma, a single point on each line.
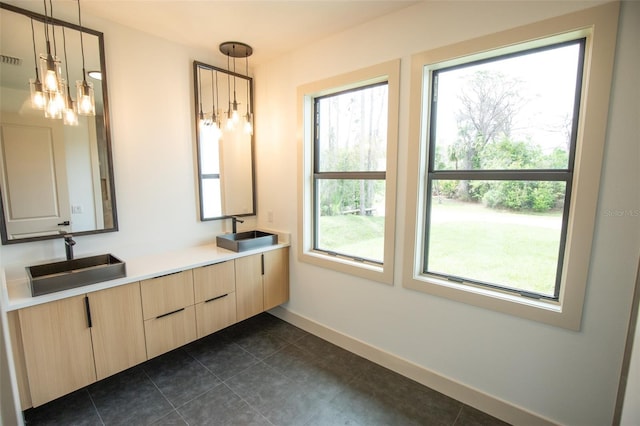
[248, 122]
[236, 50]
[50, 69]
[38, 100]
[214, 116]
[86, 100]
[201, 119]
[70, 114]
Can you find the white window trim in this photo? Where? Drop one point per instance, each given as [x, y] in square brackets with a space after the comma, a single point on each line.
[390, 72]
[599, 26]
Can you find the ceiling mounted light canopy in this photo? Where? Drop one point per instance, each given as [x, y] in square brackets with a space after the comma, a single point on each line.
[236, 49]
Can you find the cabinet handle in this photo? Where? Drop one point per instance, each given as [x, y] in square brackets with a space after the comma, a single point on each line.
[170, 313]
[262, 260]
[88, 309]
[216, 298]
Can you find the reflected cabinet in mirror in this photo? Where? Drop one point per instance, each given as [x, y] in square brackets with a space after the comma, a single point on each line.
[56, 178]
[225, 144]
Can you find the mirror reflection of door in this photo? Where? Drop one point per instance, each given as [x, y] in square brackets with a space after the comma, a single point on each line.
[34, 177]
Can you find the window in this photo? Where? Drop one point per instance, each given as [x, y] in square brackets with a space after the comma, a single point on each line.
[501, 154]
[349, 155]
[506, 139]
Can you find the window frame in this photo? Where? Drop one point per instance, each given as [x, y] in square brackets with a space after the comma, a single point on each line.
[389, 73]
[517, 175]
[598, 25]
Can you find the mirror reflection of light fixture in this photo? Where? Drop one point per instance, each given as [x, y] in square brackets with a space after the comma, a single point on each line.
[70, 115]
[86, 101]
[235, 49]
[215, 120]
[248, 123]
[38, 100]
[96, 75]
[201, 118]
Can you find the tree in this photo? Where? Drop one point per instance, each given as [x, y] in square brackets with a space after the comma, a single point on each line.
[488, 103]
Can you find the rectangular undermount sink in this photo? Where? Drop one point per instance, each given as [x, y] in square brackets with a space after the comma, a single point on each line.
[248, 240]
[66, 274]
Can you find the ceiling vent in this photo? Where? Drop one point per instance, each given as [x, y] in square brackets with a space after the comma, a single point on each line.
[10, 60]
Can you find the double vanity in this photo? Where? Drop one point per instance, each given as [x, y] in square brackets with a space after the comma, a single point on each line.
[64, 340]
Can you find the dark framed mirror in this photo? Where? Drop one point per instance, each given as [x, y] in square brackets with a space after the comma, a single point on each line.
[225, 147]
[54, 178]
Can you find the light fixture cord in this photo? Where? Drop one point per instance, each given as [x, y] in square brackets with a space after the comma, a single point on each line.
[84, 79]
[35, 55]
[200, 91]
[213, 112]
[46, 24]
[217, 92]
[229, 84]
[66, 63]
[234, 75]
[247, 71]
[53, 29]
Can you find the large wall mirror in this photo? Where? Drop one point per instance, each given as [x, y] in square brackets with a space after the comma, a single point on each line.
[55, 178]
[225, 148]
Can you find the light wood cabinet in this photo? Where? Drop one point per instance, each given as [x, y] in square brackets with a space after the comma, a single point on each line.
[215, 297]
[57, 348]
[117, 332]
[73, 342]
[170, 331]
[168, 311]
[249, 293]
[276, 277]
[262, 282]
[166, 294]
[64, 345]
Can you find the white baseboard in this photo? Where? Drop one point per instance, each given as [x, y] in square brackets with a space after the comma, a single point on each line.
[489, 404]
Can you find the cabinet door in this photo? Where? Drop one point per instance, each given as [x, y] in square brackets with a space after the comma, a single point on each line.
[166, 294]
[276, 277]
[213, 281]
[57, 348]
[249, 294]
[170, 331]
[215, 314]
[118, 330]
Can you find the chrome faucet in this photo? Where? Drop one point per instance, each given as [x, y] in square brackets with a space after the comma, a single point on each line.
[68, 245]
[234, 223]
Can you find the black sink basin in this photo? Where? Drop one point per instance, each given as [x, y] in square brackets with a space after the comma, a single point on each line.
[57, 276]
[243, 241]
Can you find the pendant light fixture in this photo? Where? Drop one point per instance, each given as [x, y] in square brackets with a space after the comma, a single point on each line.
[38, 100]
[86, 100]
[248, 123]
[201, 119]
[234, 49]
[215, 121]
[70, 114]
[50, 69]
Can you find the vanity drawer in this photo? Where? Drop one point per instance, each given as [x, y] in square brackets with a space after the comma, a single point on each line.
[166, 294]
[215, 314]
[214, 280]
[170, 331]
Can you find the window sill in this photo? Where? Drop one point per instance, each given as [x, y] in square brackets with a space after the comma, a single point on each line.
[541, 310]
[338, 263]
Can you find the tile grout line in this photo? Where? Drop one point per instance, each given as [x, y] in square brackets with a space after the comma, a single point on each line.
[95, 407]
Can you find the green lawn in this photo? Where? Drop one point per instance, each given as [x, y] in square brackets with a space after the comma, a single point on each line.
[467, 240]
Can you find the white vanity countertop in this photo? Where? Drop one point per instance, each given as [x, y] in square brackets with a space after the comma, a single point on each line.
[16, 294]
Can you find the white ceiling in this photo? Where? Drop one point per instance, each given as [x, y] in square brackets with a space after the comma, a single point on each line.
[270, 27]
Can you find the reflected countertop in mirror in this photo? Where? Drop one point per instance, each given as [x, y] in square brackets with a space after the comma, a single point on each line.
[55, 178]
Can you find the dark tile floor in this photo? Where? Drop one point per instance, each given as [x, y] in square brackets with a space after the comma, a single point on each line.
[262, 371]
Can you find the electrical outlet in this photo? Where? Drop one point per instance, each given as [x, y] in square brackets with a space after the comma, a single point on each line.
[76, 209]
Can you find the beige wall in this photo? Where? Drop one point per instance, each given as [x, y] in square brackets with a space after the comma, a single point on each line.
[568, 377]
